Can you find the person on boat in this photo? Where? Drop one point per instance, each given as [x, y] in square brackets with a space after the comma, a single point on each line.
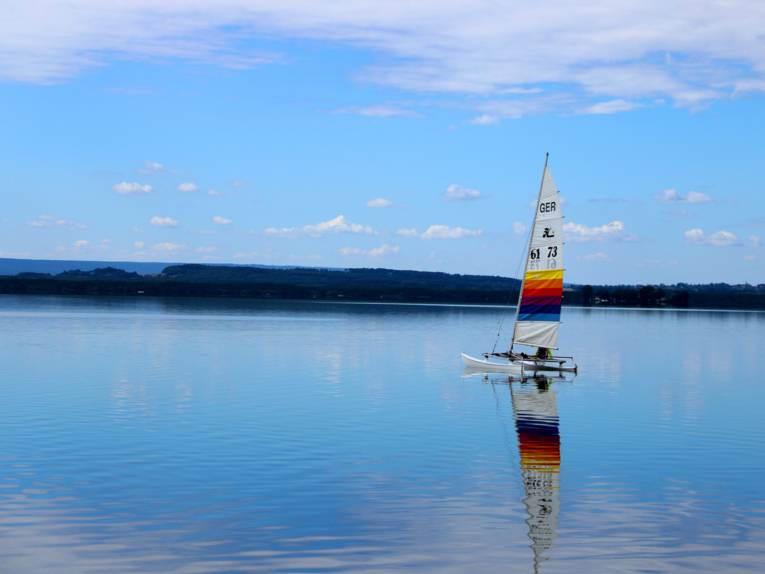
[544, 353]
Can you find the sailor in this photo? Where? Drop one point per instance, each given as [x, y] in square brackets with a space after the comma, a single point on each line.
[544, 353]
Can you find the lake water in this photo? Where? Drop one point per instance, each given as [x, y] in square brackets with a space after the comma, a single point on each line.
[193, 436]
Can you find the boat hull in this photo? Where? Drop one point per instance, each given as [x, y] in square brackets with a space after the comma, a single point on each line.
[508, 366]
[485, 365]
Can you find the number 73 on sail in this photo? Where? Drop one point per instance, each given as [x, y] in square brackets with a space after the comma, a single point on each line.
[537, 317]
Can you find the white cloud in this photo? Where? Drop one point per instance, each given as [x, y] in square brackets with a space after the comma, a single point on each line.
[671, 195]
[532, 103]
[696, 234]
[132, 188]
[697, 197]
[502, 48]
[150, 167]
[352, 250]
[610, 107]
[458, 193]
[52, 221]
[335, 225]
[167, 246]
[220, 220]
[519, 228]
[407, 232]
[213, 192]
[484, 120]
[611, 230]
[379, 112]
[80, 243]
[749, 86]
[384, 249]
[755, 241]
[139, 245]
[160, 221]
[205, 249]
[379, 202]
[720, 238]
[446, 232]
[188, 187]
[598, 256]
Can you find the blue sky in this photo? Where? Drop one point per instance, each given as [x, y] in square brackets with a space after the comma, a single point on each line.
[380, 134]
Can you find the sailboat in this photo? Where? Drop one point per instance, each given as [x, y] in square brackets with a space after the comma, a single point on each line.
[537, 316]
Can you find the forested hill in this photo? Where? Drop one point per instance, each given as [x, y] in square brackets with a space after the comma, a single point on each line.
[340, 278]
[389, 285]
[274, 283]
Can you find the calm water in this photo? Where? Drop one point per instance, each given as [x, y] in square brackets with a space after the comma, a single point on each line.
[214, 436]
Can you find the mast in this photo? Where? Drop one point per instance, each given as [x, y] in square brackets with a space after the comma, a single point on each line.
[528, 246]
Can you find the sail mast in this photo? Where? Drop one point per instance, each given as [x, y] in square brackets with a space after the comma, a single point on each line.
[528, 245]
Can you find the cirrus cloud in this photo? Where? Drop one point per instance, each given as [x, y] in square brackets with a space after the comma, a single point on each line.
[671, 195]
[379, 202]
[384, 249]
[379, 112]
[53, 221]
[689, 52]
[150, 167]
[162, 221]
[720, 238]
[335, 225]
[458, 193]
[188, 187]
[167, 246]
[446, 232]
[407, 231]
[611, 230]
[597, 257]
[132, 188]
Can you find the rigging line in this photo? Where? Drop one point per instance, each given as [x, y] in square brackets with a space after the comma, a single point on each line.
[521, 258]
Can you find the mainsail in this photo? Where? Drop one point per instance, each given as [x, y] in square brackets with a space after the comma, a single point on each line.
[538, 315]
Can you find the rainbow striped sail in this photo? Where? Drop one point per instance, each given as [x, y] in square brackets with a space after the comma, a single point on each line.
[538, 317]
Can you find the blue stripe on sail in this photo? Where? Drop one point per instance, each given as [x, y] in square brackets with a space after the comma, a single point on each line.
[539, 317]
[537, 308]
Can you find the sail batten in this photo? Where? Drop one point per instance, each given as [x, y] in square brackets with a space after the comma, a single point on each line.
[539, 303]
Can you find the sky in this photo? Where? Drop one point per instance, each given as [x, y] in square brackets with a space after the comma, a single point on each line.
[386, 134]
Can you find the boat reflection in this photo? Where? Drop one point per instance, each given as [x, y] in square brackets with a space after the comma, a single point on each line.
[535, 412]
[536, 421]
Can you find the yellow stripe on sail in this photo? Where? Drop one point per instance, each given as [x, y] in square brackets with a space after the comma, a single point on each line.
[544, 275]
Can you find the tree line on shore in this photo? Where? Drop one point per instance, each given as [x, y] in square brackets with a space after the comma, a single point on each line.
[385, 285]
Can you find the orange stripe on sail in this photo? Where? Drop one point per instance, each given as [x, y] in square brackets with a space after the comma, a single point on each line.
[556, 284]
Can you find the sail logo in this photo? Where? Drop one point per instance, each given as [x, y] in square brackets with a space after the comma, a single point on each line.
[547, 207]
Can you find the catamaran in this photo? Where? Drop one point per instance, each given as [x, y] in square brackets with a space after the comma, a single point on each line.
[537, 316]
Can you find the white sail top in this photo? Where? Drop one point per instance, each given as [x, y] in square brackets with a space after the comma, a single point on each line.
[539, 303]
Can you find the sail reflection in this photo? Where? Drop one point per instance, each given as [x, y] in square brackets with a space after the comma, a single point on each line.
[536, 421]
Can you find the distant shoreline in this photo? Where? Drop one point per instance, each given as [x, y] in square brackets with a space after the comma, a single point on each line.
[367, 286]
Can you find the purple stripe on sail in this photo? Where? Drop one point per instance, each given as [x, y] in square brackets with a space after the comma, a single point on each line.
[540, 300]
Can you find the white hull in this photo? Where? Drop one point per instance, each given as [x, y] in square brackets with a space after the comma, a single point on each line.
[508, 366]
[484, 365]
